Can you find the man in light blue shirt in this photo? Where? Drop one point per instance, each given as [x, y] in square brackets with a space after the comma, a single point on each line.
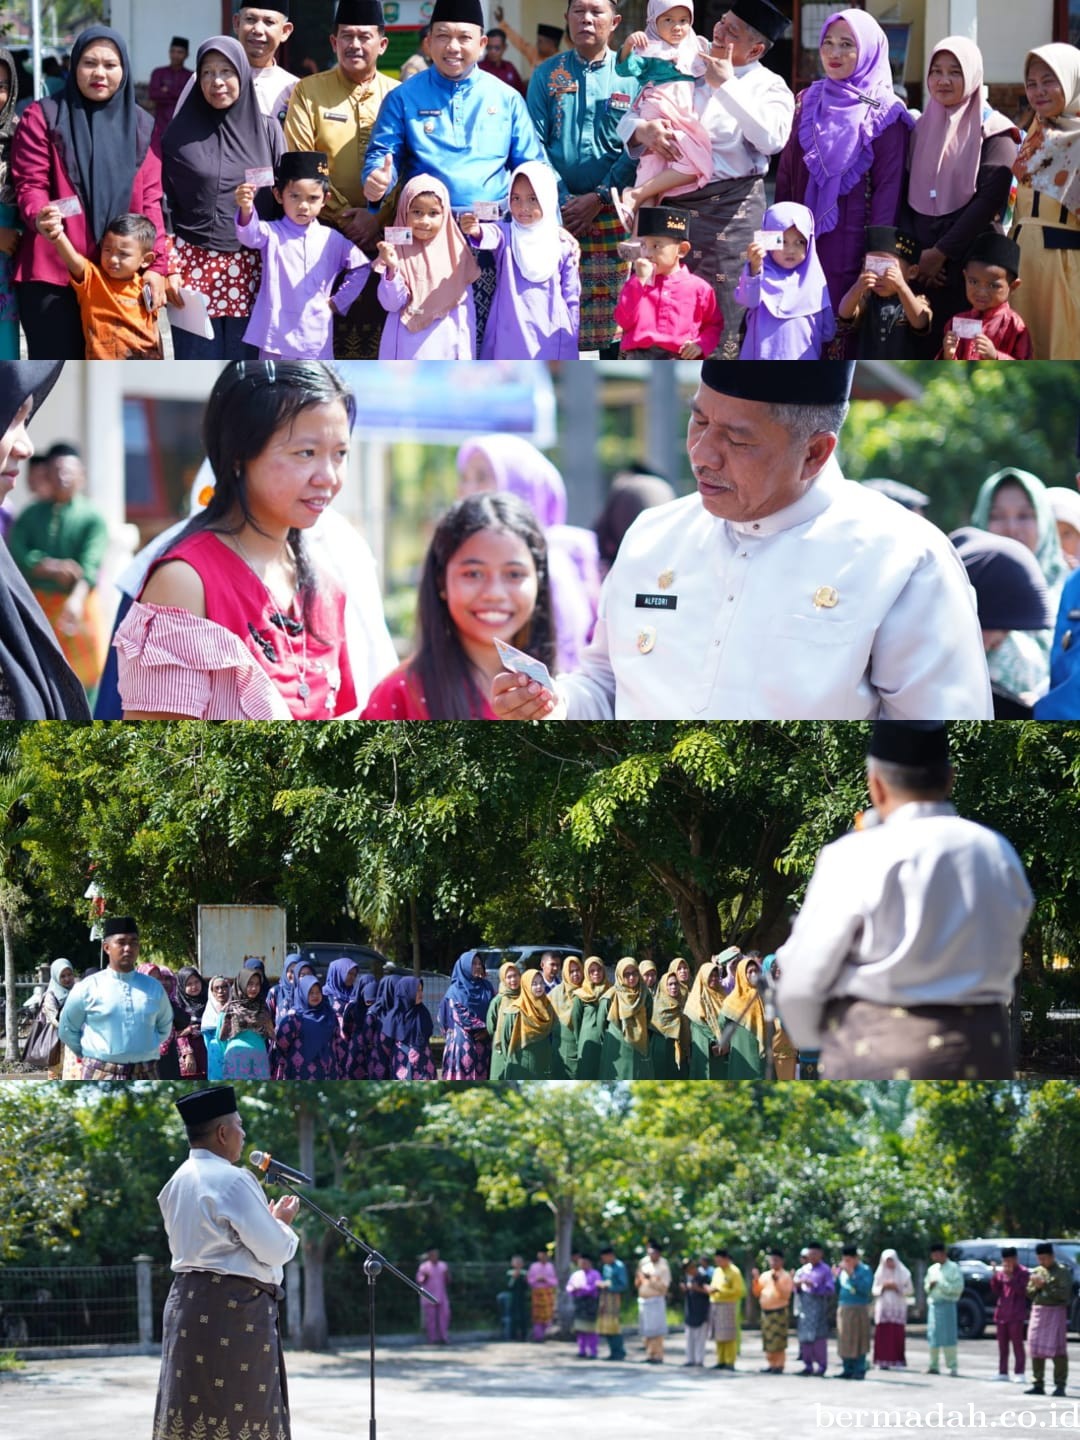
[117, 1020]
[453, 121]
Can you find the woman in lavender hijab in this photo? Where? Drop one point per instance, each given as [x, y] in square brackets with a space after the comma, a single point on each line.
[509, 462]
[844, 159]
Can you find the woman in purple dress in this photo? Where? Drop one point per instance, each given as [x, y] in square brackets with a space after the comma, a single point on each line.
[308, 1045]
[844, 159]
[342, 990]
[408, 1026]
[463, 1018]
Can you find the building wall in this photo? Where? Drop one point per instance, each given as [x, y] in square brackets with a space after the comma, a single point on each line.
[149, 28]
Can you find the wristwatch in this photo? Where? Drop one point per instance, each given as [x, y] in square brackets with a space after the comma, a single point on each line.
[603, 194]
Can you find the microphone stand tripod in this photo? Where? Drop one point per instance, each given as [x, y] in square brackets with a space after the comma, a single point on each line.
[374, 1265]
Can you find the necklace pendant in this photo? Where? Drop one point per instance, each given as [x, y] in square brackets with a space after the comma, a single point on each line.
[303, 690]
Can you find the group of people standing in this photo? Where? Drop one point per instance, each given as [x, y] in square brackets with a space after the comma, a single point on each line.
[348, 214]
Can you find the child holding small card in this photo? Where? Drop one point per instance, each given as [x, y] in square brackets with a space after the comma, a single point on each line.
[534, 313]
[991, 329]
[301, 261]
[663, 311]
[788, 314]
[485, 578]
[427, 269]
[881, 304]
[119, 318]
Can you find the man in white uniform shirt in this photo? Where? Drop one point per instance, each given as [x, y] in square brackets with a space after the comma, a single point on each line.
[222, 1367]
[780, 590]
[747, 111]
[904, 956]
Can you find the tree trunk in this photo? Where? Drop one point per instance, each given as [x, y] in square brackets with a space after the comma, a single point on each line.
[314, 1327]
[564, 1240]
[11, 1004]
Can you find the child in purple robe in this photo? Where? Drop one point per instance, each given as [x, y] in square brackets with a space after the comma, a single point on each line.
[426, 285]
[534, 313]
[788, 314]
[291, 318]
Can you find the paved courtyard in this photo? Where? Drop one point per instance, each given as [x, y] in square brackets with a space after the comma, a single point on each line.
[537, 1393]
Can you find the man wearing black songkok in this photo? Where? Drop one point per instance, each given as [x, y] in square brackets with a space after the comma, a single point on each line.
[222, 1366]
[907, 948]
[780, 590]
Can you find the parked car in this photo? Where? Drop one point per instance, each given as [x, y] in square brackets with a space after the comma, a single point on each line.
[976, 1258]
[525, 957]
[320, 953]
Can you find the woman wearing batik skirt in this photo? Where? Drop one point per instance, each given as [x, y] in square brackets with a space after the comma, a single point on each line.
[463, 1018]
[308, 1043]
[408, 1026]
[342, 990]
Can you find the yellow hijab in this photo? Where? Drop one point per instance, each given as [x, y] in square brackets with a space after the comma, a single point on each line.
[533, 1015]
[587, 992]
[668, 1017]
[744, 1005]
[649, 965]
[562, 997]
[628, 1010]
[704, 1005]
[673, 969]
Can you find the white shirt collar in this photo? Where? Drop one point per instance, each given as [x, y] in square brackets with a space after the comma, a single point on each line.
[816, 499]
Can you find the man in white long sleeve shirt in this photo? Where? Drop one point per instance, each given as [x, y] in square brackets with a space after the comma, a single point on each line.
[222, 1367]
[747, 111]
[780, 591]
[903, 958]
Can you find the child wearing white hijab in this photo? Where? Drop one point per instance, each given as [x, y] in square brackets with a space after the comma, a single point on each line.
[535, 312]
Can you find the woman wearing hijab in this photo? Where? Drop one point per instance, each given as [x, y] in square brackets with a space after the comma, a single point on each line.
[407, 1027]
[220, 989]
[568, 1012]
[1014, 503]
[92, 141]
[246, 1031]
[36, 682]
[892, 1288]
[746, 1052]
[217, 134]
[168, 1054]
[342, 990]
[378, 1048]
[589, 1024]
[525, 1037]
[463, 1020]
[669, 1032]
[1046, 220]
[61, 979]
[189, 1006]
[650, 975]
[704, 1009]
[844, 159]
[508, 991]
[625, 1054]
[9, 214]
[959, 175]
[785, 1054]
[281, 997]
[308, 1043]
[512, 463]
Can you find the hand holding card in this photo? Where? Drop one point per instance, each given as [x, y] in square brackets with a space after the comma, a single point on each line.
[399, 234]
[67, 205]
[260, 177]
[966, 327]
[519, 663]
[769, 239]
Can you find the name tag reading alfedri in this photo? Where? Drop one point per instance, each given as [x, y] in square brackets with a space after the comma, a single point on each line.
[657, 602]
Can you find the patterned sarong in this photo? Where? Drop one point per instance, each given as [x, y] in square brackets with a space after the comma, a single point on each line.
[84, 651]
[1047, 1332]
[222, 1367]
[813, 1318]
[864, 1041]
[108, 1070]
[774, 1329]
[603, 275]
[609, 1318]
[723, 1320]
[543, 1306]
[852, 1331]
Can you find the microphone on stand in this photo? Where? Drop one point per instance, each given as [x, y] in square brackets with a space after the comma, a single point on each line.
[273, 1169]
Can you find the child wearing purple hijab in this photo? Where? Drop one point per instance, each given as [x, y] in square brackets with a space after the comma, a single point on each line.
[509, 462]
[788, 315]
[845, 157]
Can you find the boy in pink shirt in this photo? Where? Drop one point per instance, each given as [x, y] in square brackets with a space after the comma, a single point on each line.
[664, 312]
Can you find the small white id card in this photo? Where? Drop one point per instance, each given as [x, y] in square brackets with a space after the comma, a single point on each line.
[769, 239]
[519, 663]
[487, 210]
[399, 234]
[877, 264]
[69, 205]
[260, 177]
[965, 328]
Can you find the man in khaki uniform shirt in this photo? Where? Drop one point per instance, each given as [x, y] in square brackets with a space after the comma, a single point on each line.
[334, 112]
[652, 1282]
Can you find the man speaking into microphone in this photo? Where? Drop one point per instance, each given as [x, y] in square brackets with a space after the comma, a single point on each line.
[222, 1367]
